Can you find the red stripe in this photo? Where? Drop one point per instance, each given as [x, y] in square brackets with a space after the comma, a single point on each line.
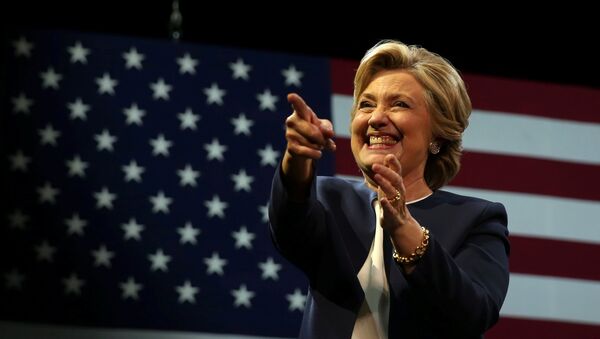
[505, 95]
[344, 160]
[529, 328]
[342, 76]
[532, 98]
[520, 174]
[508, 173]
[554, 257]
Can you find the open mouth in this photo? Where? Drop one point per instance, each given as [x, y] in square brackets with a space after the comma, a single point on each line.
[382, 141]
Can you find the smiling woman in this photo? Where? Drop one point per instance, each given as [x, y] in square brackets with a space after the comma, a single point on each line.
[393, 256]
[392, 118]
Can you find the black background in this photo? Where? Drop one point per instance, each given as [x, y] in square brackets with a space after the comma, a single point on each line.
[546, 44]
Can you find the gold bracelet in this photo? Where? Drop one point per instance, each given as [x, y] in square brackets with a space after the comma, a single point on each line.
[418, 252]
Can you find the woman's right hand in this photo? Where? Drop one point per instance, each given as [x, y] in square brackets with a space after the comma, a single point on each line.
[307, 136]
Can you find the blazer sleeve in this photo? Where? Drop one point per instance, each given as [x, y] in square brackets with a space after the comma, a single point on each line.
[467, 290]
[297, 229]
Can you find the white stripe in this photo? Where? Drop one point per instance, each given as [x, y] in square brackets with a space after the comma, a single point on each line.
[15, 330]
[341, 108]
[544, 216]
[541, 216]
[534, 137]
[511, 134]
[552, 298]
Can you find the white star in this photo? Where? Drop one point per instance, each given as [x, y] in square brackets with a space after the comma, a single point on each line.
[78, 109]
[130, 289]
[240, 69]
[267, 100]
[78, 53]
[22, 47]
[132, 230]
[187, 64]
[269, 269]
[214, 95]
[102, 256]
[296, 300]
[264, 212]
[47, 193]
[216, 207]
[18, 219]
[188, 233]
[160, 145]
[215, 264]
[45, 252]
[187, 292]
[104, 198]
[75, 225]
[19, 161]
[76, 167]
[188, 119]
[105, 140]
[268, 156]
[73, 284]
[133, 172]
[21, 104]
[292, 76]
[215, 150]
[159, 260]
[50, 78]
[160, 202]
[160, 89]
[243, 238]
[48, 135]
[242, 296]
[134, 114]
[242, 181]
[133, 59]
[14, 280]
[106, 84]
[241, 124]
[187, 176]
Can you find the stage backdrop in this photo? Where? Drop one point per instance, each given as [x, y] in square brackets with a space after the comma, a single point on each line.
[136, 175]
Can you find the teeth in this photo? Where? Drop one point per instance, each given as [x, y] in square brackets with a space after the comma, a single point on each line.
[386, 140]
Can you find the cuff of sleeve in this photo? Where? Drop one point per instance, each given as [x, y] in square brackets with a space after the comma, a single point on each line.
[421, 275]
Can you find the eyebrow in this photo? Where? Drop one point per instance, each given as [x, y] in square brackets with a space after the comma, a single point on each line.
[390, 97]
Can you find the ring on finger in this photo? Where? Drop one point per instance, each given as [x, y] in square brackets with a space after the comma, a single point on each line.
[395, 198]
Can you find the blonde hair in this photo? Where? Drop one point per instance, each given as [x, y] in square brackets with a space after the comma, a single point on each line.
[445, 95]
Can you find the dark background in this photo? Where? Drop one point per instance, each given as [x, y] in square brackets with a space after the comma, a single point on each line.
[547, 44]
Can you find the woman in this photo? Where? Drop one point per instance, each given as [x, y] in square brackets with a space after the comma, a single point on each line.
[393, 256]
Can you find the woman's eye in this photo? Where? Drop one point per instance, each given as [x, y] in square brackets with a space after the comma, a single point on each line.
[401, 104]
[365, 104]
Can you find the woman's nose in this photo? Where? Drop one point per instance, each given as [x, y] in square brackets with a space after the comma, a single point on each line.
[378, 118]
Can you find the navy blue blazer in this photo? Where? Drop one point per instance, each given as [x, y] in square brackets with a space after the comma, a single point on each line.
[455, 291]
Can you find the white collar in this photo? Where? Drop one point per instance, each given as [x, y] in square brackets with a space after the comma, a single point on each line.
[417, 200]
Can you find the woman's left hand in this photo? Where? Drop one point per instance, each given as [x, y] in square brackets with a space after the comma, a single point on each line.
[391, 193]
[403, 229]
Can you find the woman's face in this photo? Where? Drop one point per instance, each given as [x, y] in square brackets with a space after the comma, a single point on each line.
[392, 117]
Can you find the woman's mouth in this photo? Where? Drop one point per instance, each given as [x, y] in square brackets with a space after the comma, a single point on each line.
[382, 141]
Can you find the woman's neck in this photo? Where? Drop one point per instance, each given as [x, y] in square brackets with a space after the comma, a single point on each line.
[416, 189]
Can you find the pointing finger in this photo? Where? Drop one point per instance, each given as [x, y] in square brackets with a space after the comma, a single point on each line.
[300, 107]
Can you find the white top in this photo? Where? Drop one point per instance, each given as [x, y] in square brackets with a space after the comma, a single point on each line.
[373, 317]
[374, 314]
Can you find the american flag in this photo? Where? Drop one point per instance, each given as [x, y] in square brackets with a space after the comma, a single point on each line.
[136, 180]
[137, 174]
